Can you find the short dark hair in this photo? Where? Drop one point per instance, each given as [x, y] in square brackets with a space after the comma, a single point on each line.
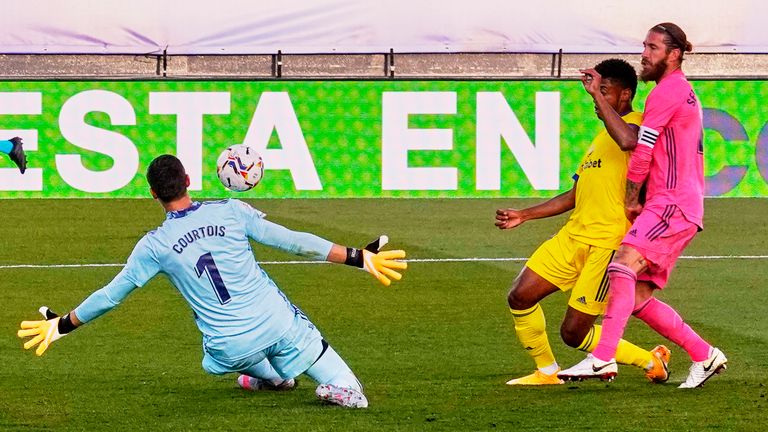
[619, 71]
[167, 177]
[674, 37]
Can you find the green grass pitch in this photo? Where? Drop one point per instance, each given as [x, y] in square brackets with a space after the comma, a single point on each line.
[433, 350]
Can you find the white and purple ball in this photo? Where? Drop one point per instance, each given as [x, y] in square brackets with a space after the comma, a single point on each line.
[240, 168]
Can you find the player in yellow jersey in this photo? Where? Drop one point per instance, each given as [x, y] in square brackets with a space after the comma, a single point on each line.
[576, 257]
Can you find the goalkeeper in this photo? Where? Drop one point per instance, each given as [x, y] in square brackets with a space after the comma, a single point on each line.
[248, 324]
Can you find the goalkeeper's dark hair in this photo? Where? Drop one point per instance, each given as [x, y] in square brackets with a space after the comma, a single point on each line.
[619, 71]
[167, 177]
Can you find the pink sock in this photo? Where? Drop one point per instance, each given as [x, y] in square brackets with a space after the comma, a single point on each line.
[668, 323]
[621, 301]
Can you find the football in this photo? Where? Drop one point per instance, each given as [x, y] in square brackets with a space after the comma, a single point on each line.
[240, 168]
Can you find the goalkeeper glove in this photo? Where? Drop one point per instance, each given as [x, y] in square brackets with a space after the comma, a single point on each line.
[378, 263]
[46, 331]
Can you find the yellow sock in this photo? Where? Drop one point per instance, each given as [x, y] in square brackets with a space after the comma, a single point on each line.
[530, 326]
[626, 352]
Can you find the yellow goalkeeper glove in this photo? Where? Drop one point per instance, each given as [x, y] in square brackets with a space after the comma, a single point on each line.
[45, 331]
[380, 264]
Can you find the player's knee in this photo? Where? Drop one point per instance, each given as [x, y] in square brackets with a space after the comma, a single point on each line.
[212, 366]
[624, 255]
[517, 298]
[628, 257]
[572, 334]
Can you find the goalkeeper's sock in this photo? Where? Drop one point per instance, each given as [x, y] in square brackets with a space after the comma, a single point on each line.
[263, 370]
[6, 146]
[626, 352]
[668, 323]
[331, 369]
[531, 329]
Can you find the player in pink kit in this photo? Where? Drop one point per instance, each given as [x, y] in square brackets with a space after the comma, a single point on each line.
[668, 158]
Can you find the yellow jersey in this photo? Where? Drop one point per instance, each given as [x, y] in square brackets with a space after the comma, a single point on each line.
[598, 218]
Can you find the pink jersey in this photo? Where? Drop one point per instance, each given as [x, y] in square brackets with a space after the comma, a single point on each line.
[672, 126]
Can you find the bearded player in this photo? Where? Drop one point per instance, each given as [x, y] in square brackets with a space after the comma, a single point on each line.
[668, 158]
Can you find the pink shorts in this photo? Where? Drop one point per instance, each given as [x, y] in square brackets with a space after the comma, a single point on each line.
[660, 239]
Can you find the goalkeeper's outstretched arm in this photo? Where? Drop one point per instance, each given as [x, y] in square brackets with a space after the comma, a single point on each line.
[372, 259]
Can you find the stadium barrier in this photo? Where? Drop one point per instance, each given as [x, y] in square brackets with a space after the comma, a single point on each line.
[390, 65]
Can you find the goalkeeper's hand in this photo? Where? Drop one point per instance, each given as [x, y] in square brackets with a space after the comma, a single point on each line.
[45, 332]
[380, 264]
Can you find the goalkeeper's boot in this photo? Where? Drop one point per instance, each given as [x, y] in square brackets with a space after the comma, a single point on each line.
[591, 367]
[659, 371]
[537, 378]
[254, 384]
[346, 397]
[701, 371]
[17, 154]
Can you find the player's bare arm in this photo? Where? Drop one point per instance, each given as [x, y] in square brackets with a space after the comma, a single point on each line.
[511, 218]
[632, 206]
[623, 133]
[337, 254]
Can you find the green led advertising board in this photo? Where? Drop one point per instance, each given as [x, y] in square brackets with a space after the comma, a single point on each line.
[346, 139]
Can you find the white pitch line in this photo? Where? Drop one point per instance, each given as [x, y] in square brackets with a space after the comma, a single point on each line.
[426, 260]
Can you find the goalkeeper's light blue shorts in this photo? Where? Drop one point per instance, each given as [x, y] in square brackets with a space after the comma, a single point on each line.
[291, 355]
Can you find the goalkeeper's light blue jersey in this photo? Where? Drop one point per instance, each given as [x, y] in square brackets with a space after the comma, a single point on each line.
[204, 251]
